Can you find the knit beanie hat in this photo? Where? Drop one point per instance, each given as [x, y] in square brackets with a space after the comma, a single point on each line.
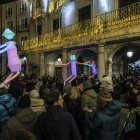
[107, 79]
[104, 97]
[107, 84]
[87, 84]
[81, 79]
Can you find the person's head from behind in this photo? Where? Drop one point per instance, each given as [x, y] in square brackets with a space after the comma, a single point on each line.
[134, 90]
[24, 101]
[74, 93]
[80, 81]
[54, 98]
[22, 135]
[87, 85]
[104, 97]
[138, 99]
[138, 81]
[106, 83]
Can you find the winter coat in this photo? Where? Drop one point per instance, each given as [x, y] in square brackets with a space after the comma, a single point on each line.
[73, 106]
[34, 94]
[24, 119]
[105, 122]
[37, 105]
[132, 100]
[55, 124]
[89, 98]
[8, 106]
[117, 92]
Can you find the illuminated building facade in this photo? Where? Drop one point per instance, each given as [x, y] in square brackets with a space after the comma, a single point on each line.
[89, 29]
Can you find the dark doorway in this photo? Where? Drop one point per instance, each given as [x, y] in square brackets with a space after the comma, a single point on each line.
[80, 68]
[58, 72]
[39, 30]
[85, 13]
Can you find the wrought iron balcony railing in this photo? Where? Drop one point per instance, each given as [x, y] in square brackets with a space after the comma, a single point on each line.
[101, 27]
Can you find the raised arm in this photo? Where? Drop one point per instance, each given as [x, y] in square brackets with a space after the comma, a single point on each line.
[3, 45]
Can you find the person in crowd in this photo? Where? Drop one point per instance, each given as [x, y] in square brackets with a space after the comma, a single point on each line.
[132, 97]
[104, 123]
[136, 134]
[117, 91]
[16, 87]
[8, 106]
[106, 83]
[80, 79]
[33, 91]
[88, 103]
[89, 96]
[114, 88]
[96, 84]
[74, 104]
[24, 118]
[37, 104]
[67, 90]
[22, 134]
[138, 84]
[55, 123]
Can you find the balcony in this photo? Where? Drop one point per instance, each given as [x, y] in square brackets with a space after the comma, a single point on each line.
[118, 23]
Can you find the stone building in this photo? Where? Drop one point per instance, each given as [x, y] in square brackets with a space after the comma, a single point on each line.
[99, 30]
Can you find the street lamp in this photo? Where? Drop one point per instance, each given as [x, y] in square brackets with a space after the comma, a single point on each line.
[59, 60]
[129, 54]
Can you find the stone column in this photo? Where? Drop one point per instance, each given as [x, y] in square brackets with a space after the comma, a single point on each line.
[46, 64]
[64, 61]
[42, 64]
[95, 8]
[110, 67]
[101, 61]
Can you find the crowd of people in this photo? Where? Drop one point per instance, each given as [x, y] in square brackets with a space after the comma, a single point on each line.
[43, 108]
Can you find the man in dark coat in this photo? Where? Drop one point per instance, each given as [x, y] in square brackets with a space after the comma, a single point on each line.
[105, 122]
[55, 124]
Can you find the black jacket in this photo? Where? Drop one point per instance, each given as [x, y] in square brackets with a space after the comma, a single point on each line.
[104, 124]
[55, 124]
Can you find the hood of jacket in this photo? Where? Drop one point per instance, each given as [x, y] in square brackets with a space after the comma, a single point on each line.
[90, 92]
[25, 115]
[112, 108]
[54, 112]
[5, 98]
